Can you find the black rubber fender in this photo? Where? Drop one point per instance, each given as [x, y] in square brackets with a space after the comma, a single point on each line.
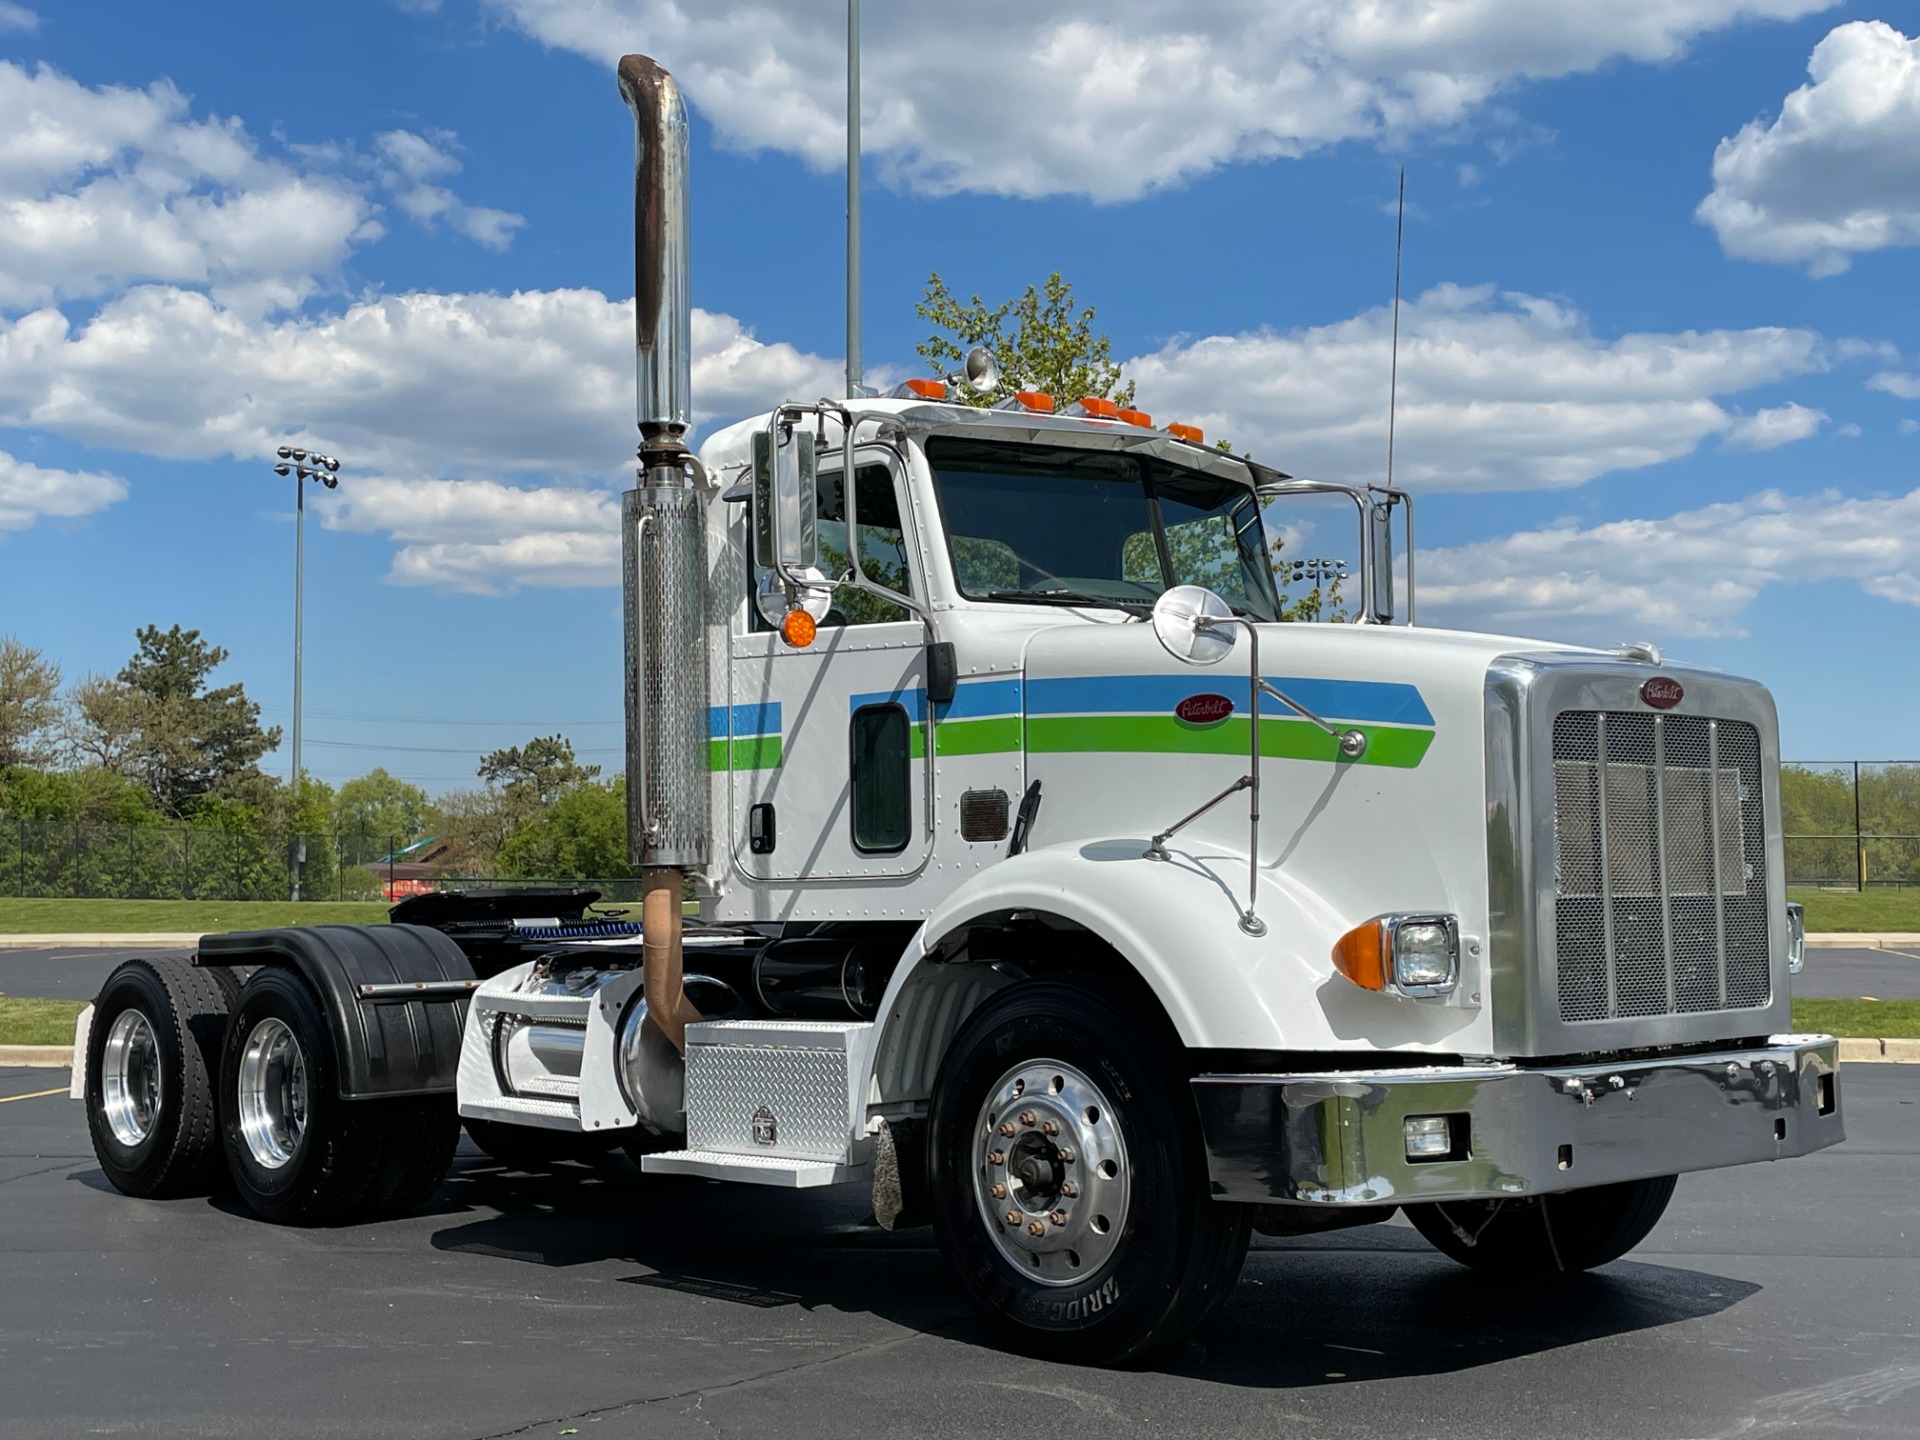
[385, 1048]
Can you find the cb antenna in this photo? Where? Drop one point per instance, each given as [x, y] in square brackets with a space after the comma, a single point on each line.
[1393, 371]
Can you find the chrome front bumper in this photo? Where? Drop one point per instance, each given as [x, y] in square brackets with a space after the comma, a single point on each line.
[1340, 1138]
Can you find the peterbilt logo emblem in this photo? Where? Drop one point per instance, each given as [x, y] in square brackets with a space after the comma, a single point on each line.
[765, 1128]
[1662, 693]
[1204, 709]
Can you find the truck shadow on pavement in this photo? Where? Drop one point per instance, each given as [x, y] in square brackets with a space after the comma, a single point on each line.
[1368, 1304]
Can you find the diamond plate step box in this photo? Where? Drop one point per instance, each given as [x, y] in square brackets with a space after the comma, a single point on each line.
[779, 1089]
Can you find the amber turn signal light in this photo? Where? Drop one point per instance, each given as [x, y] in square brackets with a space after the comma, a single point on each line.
[1361, 955]
[798, 629]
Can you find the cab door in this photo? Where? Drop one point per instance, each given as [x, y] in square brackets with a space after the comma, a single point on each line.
[824, 744]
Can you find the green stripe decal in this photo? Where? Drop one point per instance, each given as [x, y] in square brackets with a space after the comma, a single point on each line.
[996, 735]
[1391, 745]
[755, 752]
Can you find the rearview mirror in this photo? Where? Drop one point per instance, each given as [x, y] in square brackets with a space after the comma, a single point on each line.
[1382, 520]
[1178, 623]
[785, 499]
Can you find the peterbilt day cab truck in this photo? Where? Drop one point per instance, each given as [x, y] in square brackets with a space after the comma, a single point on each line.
[1055, 882]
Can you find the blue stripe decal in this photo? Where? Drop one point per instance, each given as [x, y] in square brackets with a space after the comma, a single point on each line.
[762, 719]
[973, 700]
[1378, 702]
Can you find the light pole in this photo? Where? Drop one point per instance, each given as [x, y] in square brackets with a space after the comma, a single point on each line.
[303, 465]
[856, 370]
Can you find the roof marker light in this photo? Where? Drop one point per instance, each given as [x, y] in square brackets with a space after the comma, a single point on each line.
[922, 389]
[1193, 434]
[1135, 417]
[1100, 409]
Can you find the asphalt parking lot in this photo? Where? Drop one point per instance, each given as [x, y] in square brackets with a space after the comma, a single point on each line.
[1772, 1300]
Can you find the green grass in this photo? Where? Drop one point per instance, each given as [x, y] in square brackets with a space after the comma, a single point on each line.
[201, 917]
[1849, 910]
[1875, 1019]
[37, 1022]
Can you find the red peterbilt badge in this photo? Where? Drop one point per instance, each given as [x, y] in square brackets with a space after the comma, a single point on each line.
[1662, 693]
[1204, 709]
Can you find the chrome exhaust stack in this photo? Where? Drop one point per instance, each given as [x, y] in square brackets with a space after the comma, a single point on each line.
[664, 551]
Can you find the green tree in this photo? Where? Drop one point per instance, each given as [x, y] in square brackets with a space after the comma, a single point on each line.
[531, 776]
[1041, 341]
[29, 704]
[376, 813]
[582, 835]
[160, 722]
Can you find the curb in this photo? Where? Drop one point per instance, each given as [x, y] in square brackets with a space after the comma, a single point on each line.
[1841, 940]
[37, 1057]
[132, 940]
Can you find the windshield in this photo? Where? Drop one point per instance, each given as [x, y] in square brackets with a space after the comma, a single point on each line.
[1046, 524]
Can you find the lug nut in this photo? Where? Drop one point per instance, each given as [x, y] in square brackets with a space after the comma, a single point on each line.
[1065, 1152]
[1049, 1128]
[996, 1157]
[1059, 1217]
[1009, 1130]
[1069, 1189]
[999, 1192]
[1037, 1229]
[1013, 1217]
[1027, 1117]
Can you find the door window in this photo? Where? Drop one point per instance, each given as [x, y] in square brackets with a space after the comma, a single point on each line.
[882, 543]
[882, 779]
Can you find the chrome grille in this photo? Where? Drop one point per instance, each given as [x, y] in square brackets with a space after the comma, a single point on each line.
[1660, 902]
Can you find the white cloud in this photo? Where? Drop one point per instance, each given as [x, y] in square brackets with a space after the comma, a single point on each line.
[1119, 99]
[1893, 382]
[409, 163]
[17, 17]
[482, 537]
[1497, 391]
[29, 493]
[419, 384]
[1837, 172]
[411, 391]
[1779, 425]
[1689, 574]
[104, 187]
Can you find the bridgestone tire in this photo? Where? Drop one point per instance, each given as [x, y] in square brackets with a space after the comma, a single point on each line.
[1552, 1236]
[350, 1160]
[185, 1012]
[1177, 1252]
[526, 1147]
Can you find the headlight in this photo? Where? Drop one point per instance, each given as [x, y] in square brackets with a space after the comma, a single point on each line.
[1416, 955]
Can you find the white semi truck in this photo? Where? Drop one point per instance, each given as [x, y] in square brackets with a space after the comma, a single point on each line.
[1049, 885]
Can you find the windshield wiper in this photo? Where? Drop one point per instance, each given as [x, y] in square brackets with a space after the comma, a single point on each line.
[1070, 597]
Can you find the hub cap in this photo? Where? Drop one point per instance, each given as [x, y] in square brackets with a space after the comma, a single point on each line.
[1051, 1172]
[130, 1078]
[272, 1098]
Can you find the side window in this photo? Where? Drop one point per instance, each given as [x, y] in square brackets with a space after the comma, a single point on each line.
[882, 775]
[882, 546]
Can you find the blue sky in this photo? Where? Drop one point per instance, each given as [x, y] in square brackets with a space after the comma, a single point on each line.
[1660, 366]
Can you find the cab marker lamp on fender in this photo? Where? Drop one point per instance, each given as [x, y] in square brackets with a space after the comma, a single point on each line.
[1417, 955]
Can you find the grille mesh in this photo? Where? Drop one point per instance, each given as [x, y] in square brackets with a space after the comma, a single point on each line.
[1660, 902]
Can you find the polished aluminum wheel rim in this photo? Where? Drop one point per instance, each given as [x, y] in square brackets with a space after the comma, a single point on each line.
[1051, 1172]
[130, 1078]
[272, 1098]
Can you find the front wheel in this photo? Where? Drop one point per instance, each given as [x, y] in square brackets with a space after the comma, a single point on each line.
[1546, 1235]
[1068, 1179]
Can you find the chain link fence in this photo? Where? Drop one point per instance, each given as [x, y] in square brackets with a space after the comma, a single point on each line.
[60, 860]
[1848, 824]
[1851, 824]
